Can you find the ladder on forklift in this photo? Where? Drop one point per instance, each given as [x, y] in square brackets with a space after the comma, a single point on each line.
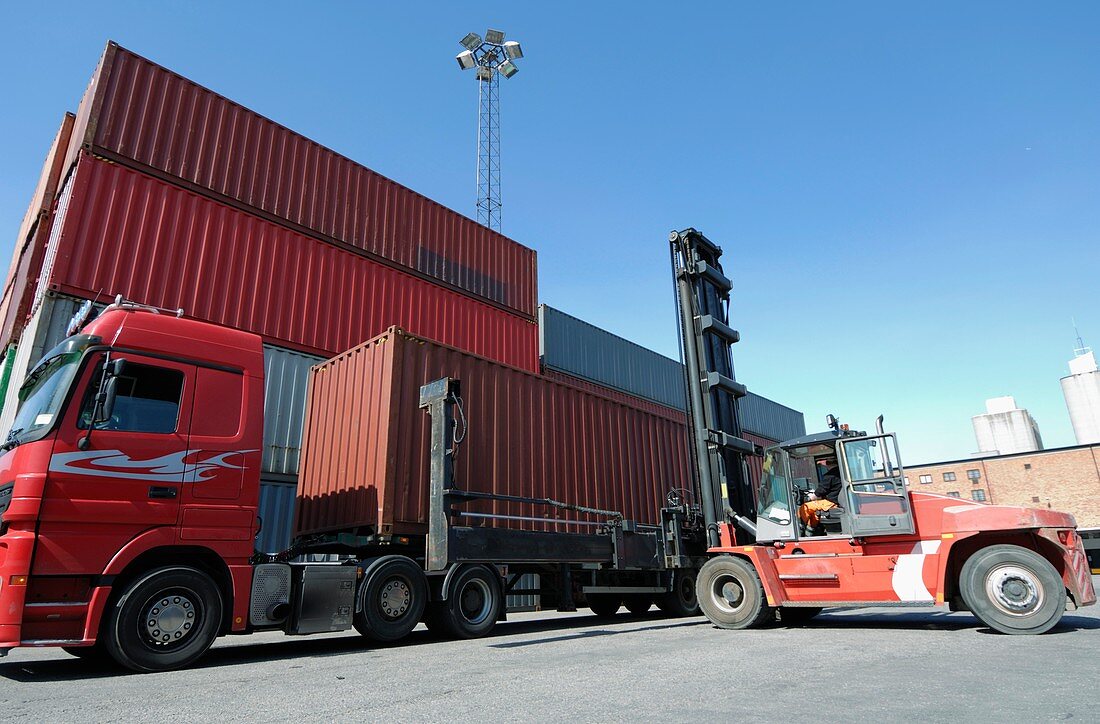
[713, 393]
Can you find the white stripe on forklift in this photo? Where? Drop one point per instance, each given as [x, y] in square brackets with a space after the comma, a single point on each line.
[908, 578]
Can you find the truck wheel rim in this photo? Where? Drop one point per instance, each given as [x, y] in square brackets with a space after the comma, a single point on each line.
[395, 597]
[170, 618]
[475, 601]
[728, 593]
[1014, 590]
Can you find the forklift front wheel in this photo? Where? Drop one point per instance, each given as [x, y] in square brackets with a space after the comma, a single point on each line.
[1013, 590]
[730, 593]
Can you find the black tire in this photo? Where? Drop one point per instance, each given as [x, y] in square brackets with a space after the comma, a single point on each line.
[434, 618]
[164, 619]
[683, 599]
[604, 605]
[638, 604]
[473, 603]
[391, 598]
[730, 593]
[796, 615]
[1013, 590]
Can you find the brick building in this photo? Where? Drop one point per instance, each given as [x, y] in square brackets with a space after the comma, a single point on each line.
[1066, 479]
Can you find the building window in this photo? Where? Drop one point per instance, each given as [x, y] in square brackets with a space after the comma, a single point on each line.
[978, 495]
[925, 479]
[974, 474]
[949, 477]
[1034, 498]
[1027, 466]
[907, 481]
[954, 494]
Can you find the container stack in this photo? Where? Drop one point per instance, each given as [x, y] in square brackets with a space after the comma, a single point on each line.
[174, 196]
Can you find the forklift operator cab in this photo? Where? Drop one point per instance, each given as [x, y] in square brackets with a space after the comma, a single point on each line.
[873, 499]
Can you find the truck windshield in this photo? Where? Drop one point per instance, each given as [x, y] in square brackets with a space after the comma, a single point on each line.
[45, 390]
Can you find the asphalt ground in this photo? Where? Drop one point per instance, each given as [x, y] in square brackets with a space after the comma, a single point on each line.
[847, 665]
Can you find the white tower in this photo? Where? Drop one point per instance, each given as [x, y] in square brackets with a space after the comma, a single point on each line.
[1082, 392]
[1006, 428]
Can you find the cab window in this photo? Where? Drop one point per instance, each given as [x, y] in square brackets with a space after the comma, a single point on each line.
[148, 400]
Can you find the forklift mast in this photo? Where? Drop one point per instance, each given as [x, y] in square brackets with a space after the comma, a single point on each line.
[714, 423]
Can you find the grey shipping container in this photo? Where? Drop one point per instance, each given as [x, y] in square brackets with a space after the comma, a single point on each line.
[581, 349]
[286, 376]
[276, 516]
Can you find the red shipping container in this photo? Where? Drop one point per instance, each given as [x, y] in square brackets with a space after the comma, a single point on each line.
[141, 114]
[365, 451]
[153, 242]
[755, 462]
[30, 243]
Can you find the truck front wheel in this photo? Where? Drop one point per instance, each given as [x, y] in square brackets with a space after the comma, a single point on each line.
[1013, 590]
[391, 599]
[165, 619]
[730, 593]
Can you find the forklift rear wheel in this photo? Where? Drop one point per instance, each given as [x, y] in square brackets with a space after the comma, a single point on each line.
[730, 593]
[165, 619]
[604, 605]
[473, 603]
[1013, 590]
[796, 615]
[682, 600]
[638, 604]
[391, 598]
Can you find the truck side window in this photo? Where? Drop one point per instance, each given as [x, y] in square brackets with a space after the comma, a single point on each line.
[148, 400]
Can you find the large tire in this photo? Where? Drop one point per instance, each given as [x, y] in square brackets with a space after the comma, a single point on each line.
[473, 603]
[730, 593]
[391, 599]
[604, 605]
[796, 615]
[683, 599]
[1013, 590]
[165, 619]
[638, 604]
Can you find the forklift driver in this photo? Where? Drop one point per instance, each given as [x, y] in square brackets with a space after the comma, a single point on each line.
[824, 497]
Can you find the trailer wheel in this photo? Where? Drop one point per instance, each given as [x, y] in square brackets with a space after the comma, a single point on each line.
[730, 593]
[682, 600]
[1013, 590]
[166, 619]
[638, 604]
[391, 598]
[604, 605]
[473, 603]
[796, 615]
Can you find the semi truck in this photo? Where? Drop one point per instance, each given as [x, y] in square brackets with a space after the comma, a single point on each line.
[129, 487]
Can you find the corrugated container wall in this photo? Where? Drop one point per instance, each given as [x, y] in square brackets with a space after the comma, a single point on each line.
[575, 347]
[276, 514]
[286, 376]
[129, 233]
[528, 435]
[138, 113]
[30, 242]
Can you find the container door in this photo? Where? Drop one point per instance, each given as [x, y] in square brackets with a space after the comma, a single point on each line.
[877, 499]
[128, 478]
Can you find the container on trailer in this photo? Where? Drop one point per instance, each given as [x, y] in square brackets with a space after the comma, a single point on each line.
[365, 451]
[156, 243]
[140, 114]
[30, 242]
[573, 347]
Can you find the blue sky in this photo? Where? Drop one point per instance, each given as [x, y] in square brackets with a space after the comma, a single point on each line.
[908, 195]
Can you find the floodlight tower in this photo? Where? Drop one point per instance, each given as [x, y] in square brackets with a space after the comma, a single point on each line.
[492, 57]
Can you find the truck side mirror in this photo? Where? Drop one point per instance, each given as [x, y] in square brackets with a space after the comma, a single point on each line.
[110, 390]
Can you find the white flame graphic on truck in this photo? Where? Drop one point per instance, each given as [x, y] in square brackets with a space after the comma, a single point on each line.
[170, 468]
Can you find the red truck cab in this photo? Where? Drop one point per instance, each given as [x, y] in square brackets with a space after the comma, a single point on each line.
[167, 481]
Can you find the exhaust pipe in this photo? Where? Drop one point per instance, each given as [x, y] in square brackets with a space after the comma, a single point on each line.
[278, 612]
[878, 425]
